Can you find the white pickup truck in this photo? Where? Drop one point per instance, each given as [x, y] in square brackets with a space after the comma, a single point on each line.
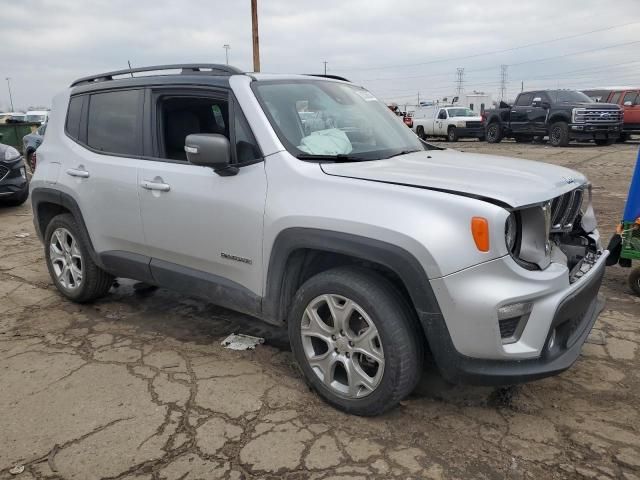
[449, 122]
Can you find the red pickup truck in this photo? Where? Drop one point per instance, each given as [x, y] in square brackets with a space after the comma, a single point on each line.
[628, 99]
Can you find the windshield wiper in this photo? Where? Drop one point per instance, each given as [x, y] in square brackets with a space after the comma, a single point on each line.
[340, 157]
[404, 152]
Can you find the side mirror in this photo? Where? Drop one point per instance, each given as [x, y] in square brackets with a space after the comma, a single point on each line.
[628, 103]
[210, 150]
[537, 102]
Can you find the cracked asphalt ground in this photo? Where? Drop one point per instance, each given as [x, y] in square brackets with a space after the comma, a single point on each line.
[137, 386]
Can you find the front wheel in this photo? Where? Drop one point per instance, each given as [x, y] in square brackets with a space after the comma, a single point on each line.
[355, 340]
[493, 133]
[452, 134]
[559, 134]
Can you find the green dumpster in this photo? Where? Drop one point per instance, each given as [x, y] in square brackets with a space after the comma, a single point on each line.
[12, 133]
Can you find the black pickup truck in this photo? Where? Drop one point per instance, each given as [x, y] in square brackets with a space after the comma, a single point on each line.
[563, 115]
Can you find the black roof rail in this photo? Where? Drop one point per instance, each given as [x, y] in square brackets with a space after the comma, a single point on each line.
[334, 77]
[186, 68]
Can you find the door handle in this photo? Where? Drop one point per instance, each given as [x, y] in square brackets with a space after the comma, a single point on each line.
[161, 187]
[74, 172]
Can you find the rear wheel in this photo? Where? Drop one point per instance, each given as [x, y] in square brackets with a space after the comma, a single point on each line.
[493, 133]
[420, 132]
[452, 134]
[72, 270]
[634, 280]
[355, 340]
[603, 142]
[559, 134]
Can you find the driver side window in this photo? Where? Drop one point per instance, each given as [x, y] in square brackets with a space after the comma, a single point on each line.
[442, 115]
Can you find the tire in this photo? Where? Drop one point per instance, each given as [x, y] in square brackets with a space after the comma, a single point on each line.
[17, 199]
[452, 134]
[559, 134]
[603, 142]
[634, 280]
[493, 133]
[31, 161]
[420, 132]
[85, 283]
[374, 303]
[523, 138]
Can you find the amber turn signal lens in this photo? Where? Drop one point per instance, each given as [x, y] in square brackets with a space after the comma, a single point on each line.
[480, 231]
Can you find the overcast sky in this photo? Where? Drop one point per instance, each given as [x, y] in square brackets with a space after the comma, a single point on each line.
[394, 48]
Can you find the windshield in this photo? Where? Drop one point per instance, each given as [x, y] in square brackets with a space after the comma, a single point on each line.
[331, 119]
[568, 96]
[461, 112]
[35, 118]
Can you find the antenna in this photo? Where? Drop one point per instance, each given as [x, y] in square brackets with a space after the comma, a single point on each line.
[129, 63]
[459, 80]
[503, 81]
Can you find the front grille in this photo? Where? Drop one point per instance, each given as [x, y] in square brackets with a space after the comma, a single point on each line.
[4, 171]
[474, 124]
[597, 115]
[565, 209]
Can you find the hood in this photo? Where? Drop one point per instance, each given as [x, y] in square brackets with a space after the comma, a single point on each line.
[601, 106]
[508, 181]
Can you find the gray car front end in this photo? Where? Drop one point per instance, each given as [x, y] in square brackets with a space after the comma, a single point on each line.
[520, 310]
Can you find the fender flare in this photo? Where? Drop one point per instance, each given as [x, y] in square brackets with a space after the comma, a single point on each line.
[393, 257]
[40, 195]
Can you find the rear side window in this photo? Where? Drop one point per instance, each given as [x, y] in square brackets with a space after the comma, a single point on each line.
[73, 117]
[524, 100]
[114, 122]
[616, 97]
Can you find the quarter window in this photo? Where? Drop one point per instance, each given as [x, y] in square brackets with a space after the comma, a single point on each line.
[73, 117]
[114, 121]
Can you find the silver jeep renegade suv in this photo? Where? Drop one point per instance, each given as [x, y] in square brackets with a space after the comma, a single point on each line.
[302, 200]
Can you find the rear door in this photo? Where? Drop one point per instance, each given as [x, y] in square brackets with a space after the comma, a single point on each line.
[198, 224]
[104, 135]
[519, 120]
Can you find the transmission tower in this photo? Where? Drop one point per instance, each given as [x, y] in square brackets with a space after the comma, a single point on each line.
[503, 81]
[459, 81]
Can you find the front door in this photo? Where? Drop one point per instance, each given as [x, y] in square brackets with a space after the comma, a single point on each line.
[203, 230]
[440, 123]
[537, 114]
[631, 104]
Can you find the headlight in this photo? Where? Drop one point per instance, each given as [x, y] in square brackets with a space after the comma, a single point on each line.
[577, 115]
[11, 154]
[461, 124]
[511, 232]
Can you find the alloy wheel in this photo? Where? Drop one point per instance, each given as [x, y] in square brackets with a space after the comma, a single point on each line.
[66, 259]
[342, 346]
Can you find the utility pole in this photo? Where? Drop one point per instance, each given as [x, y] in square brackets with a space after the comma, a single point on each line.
[503, 81]
[325, 67]
[254, 31]
[418, 98]
[10, 96]
[460, 80]
[226, 47]
[130, 72]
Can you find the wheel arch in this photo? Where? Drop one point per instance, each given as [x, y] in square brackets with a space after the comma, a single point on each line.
[47, 203]
[299, 253]
[558, 117]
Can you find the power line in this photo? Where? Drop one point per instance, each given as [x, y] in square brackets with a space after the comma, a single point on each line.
[481, 54]
[608, 47]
